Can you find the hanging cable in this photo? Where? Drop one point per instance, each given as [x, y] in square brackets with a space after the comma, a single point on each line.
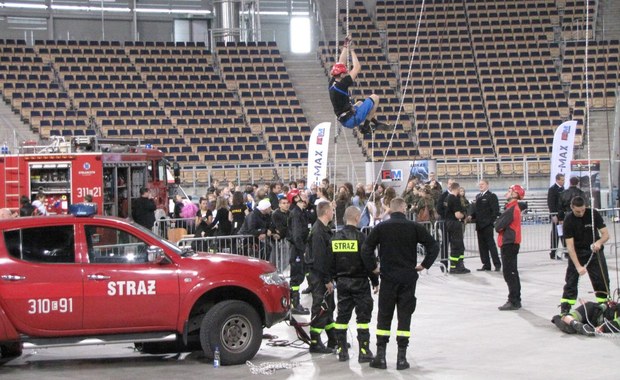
[403, 94]
[587, 133]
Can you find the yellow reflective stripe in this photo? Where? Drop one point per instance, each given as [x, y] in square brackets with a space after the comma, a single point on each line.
[316, 330]
[601, 300]
[295, 288]
[383, 332]
[454, 258]
[462, 257]
[330, 326]
[344, 246]
[341, 326]
[362, 326]
[403, 333]
[568, 301]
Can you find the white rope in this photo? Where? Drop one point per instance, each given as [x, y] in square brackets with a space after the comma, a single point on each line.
[587, 133]
[269, 368]
[403, 95]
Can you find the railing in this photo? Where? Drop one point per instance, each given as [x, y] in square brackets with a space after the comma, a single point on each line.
[535, 232]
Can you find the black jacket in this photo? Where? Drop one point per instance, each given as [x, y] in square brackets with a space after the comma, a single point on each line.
[298, 228]
[222, 221]
[453, 204]
[279, 223]
[348, 259]
[256, 223]
[317, 256]
[566, 197]
[398, 240]
[485, 210]
[143, 212]
[553, 198]
[442, 204]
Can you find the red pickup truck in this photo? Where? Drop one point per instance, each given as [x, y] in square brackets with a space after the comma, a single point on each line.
[77, 280]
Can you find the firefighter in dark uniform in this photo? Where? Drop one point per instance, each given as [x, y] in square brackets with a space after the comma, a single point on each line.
[455, 212]
[318, 261]
[298, 237]
[590, 318]
[352, 271]
[398, 239]
[586, 254]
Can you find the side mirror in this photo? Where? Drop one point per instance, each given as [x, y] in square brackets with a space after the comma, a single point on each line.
[156, 254]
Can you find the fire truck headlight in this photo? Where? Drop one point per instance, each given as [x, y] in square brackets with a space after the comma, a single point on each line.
[273, 278]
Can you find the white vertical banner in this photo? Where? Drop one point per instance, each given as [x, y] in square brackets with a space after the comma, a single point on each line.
[317, 153]
[562, 153]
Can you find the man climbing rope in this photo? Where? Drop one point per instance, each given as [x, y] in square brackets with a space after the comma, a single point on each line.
[351, 115]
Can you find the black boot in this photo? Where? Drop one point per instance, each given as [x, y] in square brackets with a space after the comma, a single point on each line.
[401, 359]
[332, 338]
[459, 268]
[564, 308]
[379, 125]
[296, 305]
[342, 350]
[317, 346]
[563, 326]
[582, 328]
[365, 128]
[365, 355]
[379, 360]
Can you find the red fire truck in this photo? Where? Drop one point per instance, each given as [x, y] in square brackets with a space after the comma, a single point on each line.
[111, 170]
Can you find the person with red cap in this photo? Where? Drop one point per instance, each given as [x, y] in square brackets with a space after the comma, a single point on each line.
[508, 225]
[351, 115]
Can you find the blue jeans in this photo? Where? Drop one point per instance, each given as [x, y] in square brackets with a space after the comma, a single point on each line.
[361, 112]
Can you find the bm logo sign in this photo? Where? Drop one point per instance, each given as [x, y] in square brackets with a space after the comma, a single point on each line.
[392, 175]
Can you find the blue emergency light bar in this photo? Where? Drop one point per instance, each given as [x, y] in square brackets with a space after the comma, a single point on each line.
[83, 209]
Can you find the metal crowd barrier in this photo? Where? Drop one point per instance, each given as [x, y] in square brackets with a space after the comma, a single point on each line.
[535, 232]
[274, 251]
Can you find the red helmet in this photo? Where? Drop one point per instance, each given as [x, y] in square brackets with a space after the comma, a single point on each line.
[519, 190]
[338, 69]
[291, 195]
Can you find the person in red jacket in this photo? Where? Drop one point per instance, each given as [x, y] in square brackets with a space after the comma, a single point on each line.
[508, 225]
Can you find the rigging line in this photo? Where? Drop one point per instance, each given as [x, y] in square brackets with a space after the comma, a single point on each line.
[336, 125]
[587, 133]
[348, 20]
[404, 92]
[338, 129]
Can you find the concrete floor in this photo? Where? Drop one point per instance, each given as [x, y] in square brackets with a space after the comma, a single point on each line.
[457, 333]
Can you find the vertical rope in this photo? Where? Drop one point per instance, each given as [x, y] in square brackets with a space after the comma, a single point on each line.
[587, 132]
[404, 92]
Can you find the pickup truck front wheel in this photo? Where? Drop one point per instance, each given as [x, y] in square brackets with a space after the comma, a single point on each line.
[233, 326]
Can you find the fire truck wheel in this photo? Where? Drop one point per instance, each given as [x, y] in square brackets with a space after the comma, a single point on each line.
[235, 328]
[10, 350]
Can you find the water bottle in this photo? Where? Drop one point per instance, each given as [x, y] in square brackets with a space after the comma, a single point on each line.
[216, 357]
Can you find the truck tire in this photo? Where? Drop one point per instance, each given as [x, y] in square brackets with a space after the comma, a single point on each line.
[233, 326]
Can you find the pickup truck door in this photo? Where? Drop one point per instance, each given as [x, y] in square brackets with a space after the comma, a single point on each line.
[40, 280]
[122, 289]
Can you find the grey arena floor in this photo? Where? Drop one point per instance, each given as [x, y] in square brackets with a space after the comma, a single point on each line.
[457, 333]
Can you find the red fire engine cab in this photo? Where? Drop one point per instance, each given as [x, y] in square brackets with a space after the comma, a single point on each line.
[111, 170]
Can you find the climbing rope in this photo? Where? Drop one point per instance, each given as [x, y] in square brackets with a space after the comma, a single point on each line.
[269, 368]
[403, 96]
[587, 133]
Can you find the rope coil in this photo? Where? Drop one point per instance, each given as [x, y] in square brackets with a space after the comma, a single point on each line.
[269, 368]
